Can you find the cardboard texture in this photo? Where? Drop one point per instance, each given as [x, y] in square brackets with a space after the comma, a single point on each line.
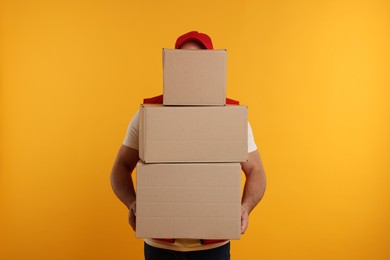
[194, 77]
[200, 201]
[193, 134]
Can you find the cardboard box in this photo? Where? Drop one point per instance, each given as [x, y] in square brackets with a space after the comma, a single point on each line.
[200, 201]
[194, 77]
[193, 134]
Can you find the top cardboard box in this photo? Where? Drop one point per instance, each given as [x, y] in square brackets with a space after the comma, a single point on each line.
[194, 77]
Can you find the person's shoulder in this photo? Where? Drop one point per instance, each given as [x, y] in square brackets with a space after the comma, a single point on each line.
[154, 100]
[230, 101]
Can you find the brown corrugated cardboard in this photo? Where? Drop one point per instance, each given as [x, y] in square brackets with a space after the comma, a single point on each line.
[194, 77]
[193, 134]
[196, 200]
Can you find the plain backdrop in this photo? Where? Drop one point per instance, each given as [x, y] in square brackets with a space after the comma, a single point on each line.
[314, 74]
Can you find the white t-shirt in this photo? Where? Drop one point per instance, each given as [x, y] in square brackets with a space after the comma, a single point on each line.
[131, 140]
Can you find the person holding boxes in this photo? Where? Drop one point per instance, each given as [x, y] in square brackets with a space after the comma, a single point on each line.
[229, 147]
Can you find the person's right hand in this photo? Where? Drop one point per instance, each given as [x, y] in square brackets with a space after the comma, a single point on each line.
[132, 216]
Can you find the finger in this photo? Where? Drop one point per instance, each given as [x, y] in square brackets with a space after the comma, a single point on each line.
[244, 223]
[132, 221]
[133, 224]
[244, 226]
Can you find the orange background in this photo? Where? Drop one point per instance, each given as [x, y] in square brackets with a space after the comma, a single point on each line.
[315, 75]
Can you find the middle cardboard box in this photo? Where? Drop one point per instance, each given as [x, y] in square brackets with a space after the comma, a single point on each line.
[193, 134]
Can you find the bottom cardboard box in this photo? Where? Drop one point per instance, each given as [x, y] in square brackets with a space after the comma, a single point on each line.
[197, 200]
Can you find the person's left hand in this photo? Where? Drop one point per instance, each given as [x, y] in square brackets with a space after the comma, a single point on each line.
[244, 219]
[132, 215]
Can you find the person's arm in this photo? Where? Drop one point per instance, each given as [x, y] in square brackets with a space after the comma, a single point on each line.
[121, 181]
[254, 187]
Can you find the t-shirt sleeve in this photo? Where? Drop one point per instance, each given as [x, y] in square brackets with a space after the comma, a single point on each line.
[131, 139]
[251, 140]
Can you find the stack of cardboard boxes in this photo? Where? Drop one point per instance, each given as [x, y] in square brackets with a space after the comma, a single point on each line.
[191, 146]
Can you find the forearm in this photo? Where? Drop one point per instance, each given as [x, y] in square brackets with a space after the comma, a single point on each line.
[254, 189]
[255, 181]
[122, 184]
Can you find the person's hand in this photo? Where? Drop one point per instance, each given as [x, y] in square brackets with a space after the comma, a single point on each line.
[244, 219]
[132, 216]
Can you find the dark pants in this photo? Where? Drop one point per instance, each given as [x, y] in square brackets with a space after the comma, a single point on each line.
[219, 253]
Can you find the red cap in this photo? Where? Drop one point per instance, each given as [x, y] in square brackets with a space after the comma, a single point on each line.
[202, 38]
